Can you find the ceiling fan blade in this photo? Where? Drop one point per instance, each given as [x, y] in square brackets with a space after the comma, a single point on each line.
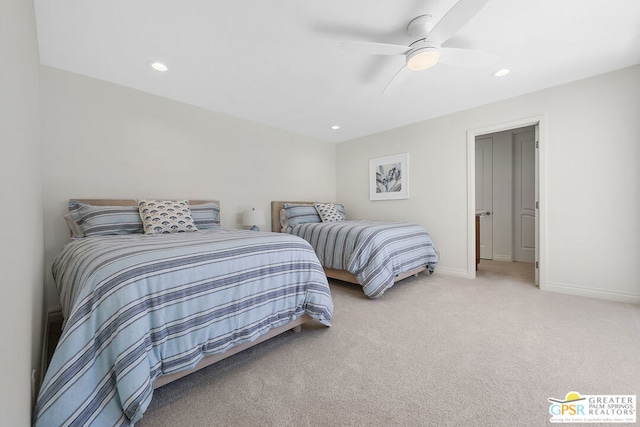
[375, 48]
[455, 19]
[466, 57]
[401, 76]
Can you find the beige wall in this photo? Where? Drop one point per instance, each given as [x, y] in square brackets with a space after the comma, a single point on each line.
[21, 253]
[106, 141]
[591, 138]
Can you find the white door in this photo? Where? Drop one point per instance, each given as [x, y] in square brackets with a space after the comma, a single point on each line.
[537, 211]
[484, 194]
[524, 199]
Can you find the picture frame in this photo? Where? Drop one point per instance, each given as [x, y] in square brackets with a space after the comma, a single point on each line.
[389, 177]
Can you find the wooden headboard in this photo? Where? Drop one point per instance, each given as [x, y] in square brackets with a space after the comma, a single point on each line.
[123, 202]
[130, 202]
[276, 206]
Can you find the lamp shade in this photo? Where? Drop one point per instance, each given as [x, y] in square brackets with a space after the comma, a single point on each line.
[253, 217]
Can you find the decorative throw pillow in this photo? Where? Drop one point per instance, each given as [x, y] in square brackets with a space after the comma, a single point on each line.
[328, 212]
[284, 222]
[166, 216]
[341, 209]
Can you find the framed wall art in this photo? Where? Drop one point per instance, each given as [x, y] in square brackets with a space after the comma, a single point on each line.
[389, 177]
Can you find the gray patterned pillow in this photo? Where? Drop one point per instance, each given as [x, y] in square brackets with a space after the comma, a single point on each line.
[166, 216]
[328, 212]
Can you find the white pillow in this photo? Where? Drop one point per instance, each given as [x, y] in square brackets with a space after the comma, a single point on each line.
[166, 216]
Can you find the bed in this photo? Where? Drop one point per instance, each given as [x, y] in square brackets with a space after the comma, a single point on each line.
[142, 310]
[372, 254]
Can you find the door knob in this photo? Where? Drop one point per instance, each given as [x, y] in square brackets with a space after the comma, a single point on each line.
[487, 213]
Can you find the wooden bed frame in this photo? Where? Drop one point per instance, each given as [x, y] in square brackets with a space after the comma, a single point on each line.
[131, 202]
[277, 206]
[295, 325]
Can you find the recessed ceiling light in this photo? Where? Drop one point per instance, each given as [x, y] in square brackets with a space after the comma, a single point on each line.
[501, 73]
[335, 127]
[158, 66]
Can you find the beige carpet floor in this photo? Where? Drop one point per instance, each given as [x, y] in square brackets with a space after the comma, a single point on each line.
[433, 351]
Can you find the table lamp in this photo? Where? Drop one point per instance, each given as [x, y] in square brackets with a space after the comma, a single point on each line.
[253, 217]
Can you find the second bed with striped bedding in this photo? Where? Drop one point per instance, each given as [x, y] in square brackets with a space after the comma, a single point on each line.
[374, 251]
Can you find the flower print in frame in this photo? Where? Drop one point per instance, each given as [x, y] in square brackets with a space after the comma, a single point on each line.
[389, 177]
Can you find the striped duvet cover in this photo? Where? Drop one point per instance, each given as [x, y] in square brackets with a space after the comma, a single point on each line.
[138, 307]
[374, 251]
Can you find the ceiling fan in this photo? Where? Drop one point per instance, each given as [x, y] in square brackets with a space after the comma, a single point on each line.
[428, 35]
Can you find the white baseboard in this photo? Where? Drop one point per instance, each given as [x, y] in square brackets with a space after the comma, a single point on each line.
[456, 272]
[505, 258]
[604, 294]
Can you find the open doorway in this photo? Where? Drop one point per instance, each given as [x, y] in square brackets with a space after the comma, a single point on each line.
[505, 194]
[505, 201]
[504, 187]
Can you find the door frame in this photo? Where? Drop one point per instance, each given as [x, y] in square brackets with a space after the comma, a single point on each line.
[541, 237]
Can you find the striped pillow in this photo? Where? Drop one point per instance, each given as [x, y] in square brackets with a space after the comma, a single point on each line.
[206, 216]
[75, 230]
[74, 209]
[300, 214]
[107, 220]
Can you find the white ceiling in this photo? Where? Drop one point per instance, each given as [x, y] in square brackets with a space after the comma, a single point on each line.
[280, 62]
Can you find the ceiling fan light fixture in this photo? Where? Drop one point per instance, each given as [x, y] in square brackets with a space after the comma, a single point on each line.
[423, 58]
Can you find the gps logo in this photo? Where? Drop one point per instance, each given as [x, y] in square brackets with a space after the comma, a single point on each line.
[568, 406]
[607, 409]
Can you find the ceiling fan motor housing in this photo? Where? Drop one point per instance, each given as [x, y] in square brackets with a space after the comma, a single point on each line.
[421, 26]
